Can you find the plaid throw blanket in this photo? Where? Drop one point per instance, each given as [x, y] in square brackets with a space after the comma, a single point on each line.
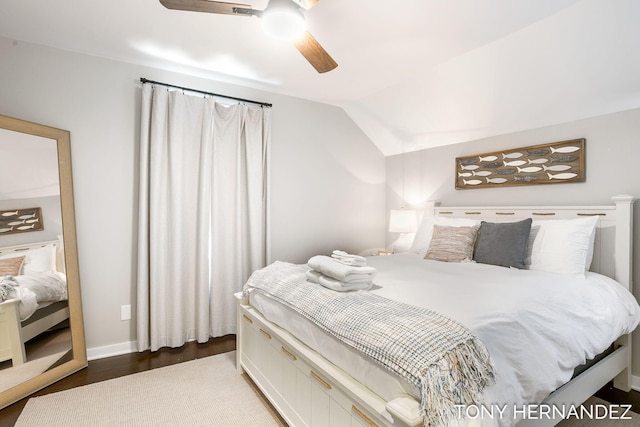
[449, 364]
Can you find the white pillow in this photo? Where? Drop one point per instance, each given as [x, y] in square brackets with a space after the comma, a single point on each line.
[36, 261]
[422, 238]
[562, 245]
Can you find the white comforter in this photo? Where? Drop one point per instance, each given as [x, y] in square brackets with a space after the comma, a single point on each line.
[537, 326]
[38, 290]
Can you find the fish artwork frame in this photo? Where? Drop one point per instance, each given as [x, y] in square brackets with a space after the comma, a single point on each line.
[554, 163]
[21, 221]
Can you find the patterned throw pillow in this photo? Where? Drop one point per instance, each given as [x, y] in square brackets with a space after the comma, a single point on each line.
[452, 244]
[11, 266]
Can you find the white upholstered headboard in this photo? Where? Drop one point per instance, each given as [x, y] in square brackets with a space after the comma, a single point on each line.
[613, 251]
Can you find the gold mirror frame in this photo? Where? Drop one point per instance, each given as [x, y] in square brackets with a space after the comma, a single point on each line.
[79, 351]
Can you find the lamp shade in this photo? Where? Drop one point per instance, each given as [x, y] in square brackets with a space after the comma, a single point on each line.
[403, 221]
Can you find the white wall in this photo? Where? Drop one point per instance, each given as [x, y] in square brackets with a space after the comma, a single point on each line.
[327, 181]
[612, 156]
[327, 177]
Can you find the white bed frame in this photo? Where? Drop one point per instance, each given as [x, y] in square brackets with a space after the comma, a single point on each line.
[307, 390]
[13, 334]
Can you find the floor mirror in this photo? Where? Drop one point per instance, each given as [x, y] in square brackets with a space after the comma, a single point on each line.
[41, 325]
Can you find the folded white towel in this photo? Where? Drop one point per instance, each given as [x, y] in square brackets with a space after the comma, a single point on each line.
[344, 273]
[336, 285]
[349, 259]
[353, 262]
[354, 279]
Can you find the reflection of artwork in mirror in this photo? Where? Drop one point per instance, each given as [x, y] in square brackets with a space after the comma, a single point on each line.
[20, 220]
[40, 316]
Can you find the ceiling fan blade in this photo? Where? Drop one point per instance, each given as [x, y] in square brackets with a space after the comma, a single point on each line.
[208, 6]
[315, 54]
[307, 4]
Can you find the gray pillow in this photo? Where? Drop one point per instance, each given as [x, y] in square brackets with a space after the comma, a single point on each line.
[503, 244]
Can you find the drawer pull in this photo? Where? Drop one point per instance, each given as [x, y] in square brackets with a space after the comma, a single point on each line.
[505, 213]
[247, 318]
[445, 213]
[265, 333]
[321, 381]
[473, 213]
[593, 214]
[544, 213]
[289, 354]
[362, 415]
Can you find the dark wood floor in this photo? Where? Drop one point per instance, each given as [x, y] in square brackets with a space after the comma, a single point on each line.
[118, 366]
[613, 395]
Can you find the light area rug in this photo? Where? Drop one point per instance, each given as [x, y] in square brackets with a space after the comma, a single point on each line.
[202, 392]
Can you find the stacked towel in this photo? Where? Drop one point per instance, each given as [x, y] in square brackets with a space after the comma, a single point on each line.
[349, 259]
[335, 274]
[336, 285]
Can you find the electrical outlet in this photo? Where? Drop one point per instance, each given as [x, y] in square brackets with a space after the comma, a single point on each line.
[125, 312]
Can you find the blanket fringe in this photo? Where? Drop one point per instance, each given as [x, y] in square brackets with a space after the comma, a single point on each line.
[455, 380]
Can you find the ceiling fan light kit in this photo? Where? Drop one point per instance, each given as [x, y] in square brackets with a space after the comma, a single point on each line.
[281, 19]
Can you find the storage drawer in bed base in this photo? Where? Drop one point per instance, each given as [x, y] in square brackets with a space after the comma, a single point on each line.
[305, 388]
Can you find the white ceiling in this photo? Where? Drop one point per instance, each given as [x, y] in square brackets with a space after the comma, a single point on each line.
[28, 166]
[412, 74]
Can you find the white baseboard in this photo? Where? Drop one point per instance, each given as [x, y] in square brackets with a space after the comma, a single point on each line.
[112, 350]
[635, 383]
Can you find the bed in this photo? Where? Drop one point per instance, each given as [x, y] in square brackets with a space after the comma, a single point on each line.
[313, 380]
[34, 295]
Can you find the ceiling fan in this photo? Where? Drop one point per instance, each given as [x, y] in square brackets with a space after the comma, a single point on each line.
[281, 19]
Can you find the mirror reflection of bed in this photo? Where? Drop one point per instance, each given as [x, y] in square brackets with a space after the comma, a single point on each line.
[34, 327]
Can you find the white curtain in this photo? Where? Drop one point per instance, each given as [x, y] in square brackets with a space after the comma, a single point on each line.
[202, 225]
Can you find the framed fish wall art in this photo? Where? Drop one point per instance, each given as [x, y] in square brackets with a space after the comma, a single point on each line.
[20, 221]
[555, 163]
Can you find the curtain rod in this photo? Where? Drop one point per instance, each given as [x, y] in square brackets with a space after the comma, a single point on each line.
[264, 104]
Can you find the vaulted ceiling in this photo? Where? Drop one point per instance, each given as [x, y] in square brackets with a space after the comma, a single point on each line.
[412, 74]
